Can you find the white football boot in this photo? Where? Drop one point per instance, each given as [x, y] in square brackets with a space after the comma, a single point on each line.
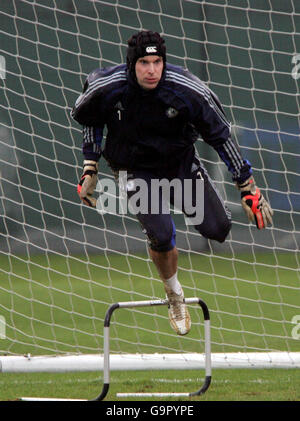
[179, 316]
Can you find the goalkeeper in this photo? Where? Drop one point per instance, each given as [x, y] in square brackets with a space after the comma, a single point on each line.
[154, 112]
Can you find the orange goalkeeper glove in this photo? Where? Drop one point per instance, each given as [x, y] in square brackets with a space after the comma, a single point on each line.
[88, 182]
[254, 204]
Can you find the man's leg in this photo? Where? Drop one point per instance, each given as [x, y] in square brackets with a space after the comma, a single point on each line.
[217, 217]
[166, 264]
[216, 223]
[160, 231]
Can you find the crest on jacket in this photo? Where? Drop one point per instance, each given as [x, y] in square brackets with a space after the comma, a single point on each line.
[171, 112]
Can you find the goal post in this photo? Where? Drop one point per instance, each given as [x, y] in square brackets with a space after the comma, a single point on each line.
[63, 264]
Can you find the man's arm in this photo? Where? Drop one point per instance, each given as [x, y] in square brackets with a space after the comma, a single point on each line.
[215, 130]
[230, 154]
[90, 112]
[91, 144]
[91, 149]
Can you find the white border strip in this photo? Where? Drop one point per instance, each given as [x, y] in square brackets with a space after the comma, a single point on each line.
[195, 361]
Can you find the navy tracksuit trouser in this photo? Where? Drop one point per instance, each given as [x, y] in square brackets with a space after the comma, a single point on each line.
[159, 226]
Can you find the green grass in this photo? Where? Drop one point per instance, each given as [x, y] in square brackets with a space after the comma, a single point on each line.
[56, 304]
[227, 385]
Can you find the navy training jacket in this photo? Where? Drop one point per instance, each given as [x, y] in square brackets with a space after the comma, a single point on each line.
[152, 129]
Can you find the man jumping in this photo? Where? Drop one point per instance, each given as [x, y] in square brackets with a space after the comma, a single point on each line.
[154, 112]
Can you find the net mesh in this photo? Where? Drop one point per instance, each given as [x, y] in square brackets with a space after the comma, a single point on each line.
[63, 264]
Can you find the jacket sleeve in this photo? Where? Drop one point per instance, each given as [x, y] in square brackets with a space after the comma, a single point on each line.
[92, 139]
[215, 130]
[89, 108]
[92, 106]
[88, 112]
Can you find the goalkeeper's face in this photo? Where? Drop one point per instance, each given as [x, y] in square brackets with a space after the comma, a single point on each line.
[148, 70]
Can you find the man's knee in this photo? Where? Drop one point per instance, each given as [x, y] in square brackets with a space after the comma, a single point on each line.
[162, 240]
[217, 232]
[221, 234]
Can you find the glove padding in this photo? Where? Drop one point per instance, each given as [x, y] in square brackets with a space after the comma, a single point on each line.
[88, 182]
[254, 204]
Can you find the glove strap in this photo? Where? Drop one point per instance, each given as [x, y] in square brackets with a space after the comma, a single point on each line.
[248, 186]
[92, 164]
[89, 172]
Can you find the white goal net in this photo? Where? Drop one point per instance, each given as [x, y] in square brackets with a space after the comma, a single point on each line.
[62, 264]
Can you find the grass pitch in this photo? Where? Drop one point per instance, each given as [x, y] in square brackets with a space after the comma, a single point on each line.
[56, 304]
[227, 385]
